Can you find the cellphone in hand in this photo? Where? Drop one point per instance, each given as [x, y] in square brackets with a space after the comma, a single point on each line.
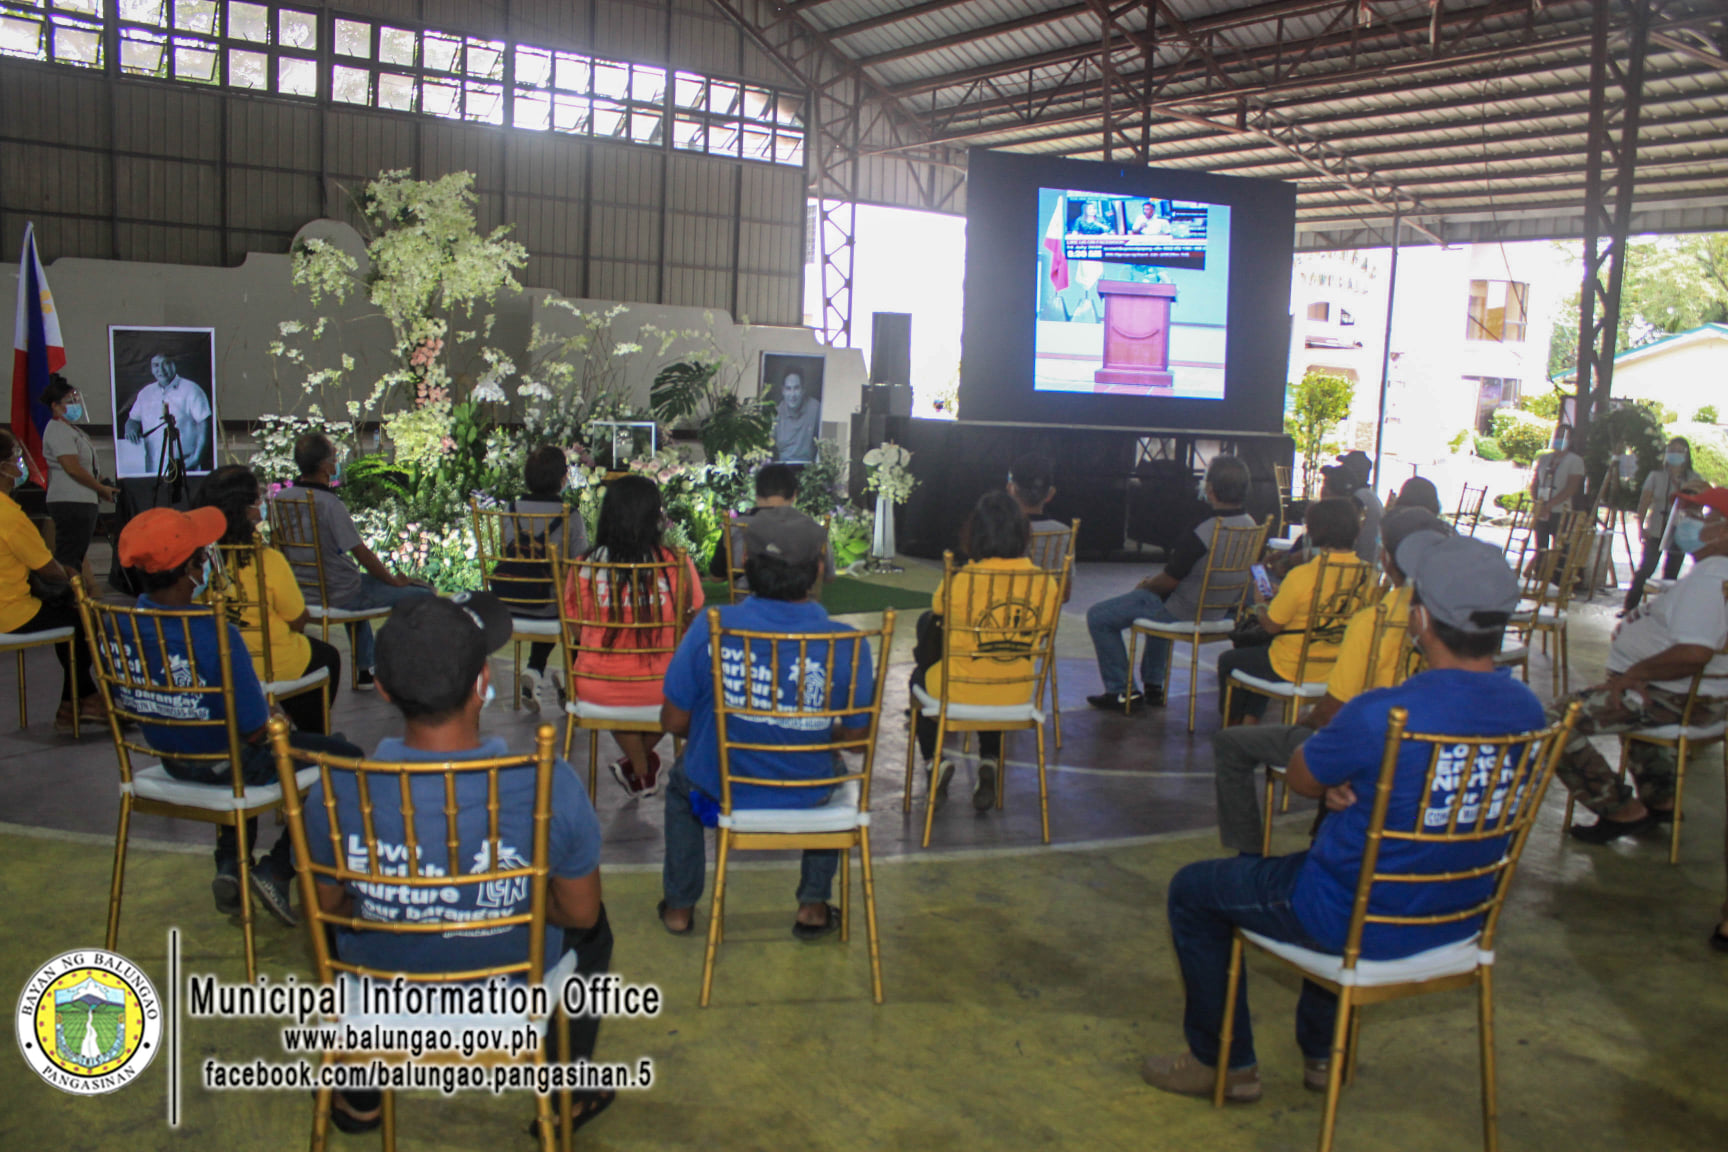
[1262, 581]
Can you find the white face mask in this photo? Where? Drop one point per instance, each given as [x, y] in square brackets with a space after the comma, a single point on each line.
[483, 689]
[202, 584]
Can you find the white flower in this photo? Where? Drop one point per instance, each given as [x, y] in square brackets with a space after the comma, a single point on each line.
[290, 327]
[626, 349]
[488, 390]
[532, 390]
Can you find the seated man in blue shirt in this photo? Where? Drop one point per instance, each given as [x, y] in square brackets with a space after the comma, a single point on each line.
[783, 566]
[432, 666]
[1463, 596]
[169, 554]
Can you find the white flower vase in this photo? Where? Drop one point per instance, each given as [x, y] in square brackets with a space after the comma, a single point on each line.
[882, 535]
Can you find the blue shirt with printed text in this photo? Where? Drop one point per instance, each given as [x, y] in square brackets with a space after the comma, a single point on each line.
[689, 685]
[1349, 751]
[202, 667]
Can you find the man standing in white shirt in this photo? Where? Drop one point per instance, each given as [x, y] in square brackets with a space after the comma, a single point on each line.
[1555, 483]
[1656, 651]
[171, 394]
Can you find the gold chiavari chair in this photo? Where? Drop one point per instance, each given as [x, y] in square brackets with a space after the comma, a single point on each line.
[1496, 821]
[294, 530]
[1053, 551]
[1546, 596]
[843, 821]
[22, 642]
[1470, 501]
[1229, 556]
[642, 646]
[519, 567]
[1391, 627]
[1343, 586]
[245, 589]
[991, 617]
[732, 541]
[420, 798]
[140, 687]
[1683, 736]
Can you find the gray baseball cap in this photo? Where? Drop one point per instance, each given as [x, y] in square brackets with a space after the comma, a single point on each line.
[1458, 578]
[784, 532]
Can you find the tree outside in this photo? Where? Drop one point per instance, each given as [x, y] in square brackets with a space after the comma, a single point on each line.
[1672, 284]
[1313, 410]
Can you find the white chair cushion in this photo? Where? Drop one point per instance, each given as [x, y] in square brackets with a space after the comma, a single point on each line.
[1187, 627]
[838, 814]
[1517, 654]
[1446, 960]
[1693, 732]
[554, 983]
[533, 626]
[1279, 544]
[29, 639]
[645, 714]
[320, 612]
[289, 687]
[1312, 690]
[979, 713]
[154, 783]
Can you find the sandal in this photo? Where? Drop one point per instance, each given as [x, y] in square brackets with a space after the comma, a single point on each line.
[586, 1106]
[816, 931]
[660, 910]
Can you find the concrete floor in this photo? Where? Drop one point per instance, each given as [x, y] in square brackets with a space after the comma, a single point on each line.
[1023, 983]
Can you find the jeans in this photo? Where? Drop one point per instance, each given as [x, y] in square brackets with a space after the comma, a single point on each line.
[1647, 568]
[1255, 662]
[1238, 754]
[257, 767]
[1108, 619]
[74, 525]
[304, 711]
[686, 852]
[1208, 901]
[374, 593]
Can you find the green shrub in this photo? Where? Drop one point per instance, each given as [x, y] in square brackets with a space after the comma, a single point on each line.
[1664, 414]
[1705, 415]
[1710, 461]
[1521, 436]
[1456, 444]
[1512, 501]
[1489, 449]
[1543, 404]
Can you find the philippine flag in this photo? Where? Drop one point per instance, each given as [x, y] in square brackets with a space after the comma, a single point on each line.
[37, 352]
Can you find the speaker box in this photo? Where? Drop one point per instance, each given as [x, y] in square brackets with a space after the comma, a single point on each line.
[891, 348]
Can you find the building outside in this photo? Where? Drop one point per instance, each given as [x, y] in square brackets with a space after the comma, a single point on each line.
[1684, 372]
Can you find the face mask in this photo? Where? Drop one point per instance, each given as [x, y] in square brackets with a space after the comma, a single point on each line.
[19, 471]
[336, 476]
[1674, 459]
[1689, 535]
[203, 583]
[487, 693]
[74, 412]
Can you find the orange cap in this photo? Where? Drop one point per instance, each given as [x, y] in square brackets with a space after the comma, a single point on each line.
[1716, 498]
[161, 539]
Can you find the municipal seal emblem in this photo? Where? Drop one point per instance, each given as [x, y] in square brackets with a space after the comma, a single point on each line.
[89, 1022]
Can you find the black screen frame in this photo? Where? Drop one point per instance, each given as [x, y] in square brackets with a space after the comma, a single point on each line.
[998, 330]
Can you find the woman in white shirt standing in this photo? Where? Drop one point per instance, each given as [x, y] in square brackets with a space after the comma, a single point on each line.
[73, 488]
[1654, 503]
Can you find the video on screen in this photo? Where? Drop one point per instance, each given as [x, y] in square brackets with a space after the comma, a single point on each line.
[1133, 295]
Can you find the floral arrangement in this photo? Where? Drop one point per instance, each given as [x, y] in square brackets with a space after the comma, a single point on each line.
[888, 473]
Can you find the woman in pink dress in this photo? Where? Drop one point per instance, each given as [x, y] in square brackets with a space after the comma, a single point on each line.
[611, 669]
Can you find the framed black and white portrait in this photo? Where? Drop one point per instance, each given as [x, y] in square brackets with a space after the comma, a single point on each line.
[162, 384]
[794, 383]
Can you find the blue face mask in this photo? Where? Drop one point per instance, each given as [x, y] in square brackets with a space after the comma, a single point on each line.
[74, 412]
[1674, 459]
[203, 583]
[1688, 534]
[486, 694]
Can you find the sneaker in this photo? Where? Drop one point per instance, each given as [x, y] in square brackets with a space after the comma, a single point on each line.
[226, 887]
[944, 773]
[634, 789]
[547, 696]
[531, 690]
[365, 680]
[91, 711]
[1153, 697]
[1186, 1076]
[1113, 701]
[1315, 1074]
[651, 783]
[1606, 831]
[984, 791]
[275, 893]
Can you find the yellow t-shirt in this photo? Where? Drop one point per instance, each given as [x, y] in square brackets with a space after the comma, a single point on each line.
[1289, 610]
[1350, 674]
[22, 551]
[290, 651]
[1016, 605]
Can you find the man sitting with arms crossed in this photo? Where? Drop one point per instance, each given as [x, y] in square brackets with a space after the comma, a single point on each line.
[348, 586]
[1463, 596]
[1239, 753]
[432, 667]
[1656, 650]
[783, 568]
[776, 503]
[1171, 596]
[169, 553]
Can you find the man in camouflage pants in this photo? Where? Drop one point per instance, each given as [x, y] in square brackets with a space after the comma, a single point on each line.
[1656, 652]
